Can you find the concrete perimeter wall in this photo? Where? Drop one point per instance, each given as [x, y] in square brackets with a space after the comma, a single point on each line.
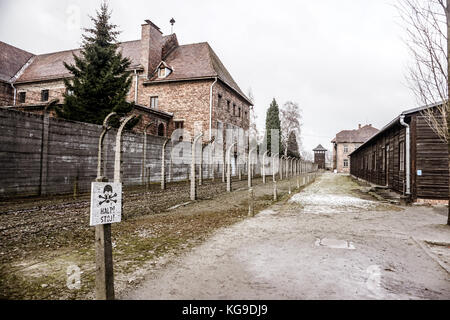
[41, 155]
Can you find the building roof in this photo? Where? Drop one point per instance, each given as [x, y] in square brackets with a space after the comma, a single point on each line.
[192, 61]
[12, 59]
[359, 135]
[50, 66]
[160, 113]
[320, 148]
[397, 120]
[197, 61]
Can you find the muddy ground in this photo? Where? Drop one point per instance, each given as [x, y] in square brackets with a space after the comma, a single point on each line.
[330, 241]
[40, 238]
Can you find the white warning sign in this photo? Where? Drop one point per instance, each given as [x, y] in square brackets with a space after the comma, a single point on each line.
[106, 203]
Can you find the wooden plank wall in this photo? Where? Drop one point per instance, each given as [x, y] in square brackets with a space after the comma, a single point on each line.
[71, 155]
[388, 174]
[432, 159]
[428, 153]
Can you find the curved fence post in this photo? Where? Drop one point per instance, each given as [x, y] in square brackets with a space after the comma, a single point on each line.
[193, 184]
[144, 153]
[118, 155]
[263, 166]
[228, 157]
[249, 167]
[105, 129]
[163, 165]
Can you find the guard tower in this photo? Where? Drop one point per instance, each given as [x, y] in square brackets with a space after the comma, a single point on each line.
[319, 156]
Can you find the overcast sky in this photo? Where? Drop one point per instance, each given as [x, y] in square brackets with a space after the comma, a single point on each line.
[343, 61]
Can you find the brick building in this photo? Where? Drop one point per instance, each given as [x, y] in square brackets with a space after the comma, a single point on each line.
[174, 86]
[346, 142]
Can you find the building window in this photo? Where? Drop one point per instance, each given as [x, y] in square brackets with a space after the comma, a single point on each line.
[219, 130]
[228, 105]
[44, 95]
[345, 163]
[179, 125]
[234, 109]
[154, 102]
[163, 72]
[161, 130]
[345, 149]
[401, 147]
[219, 100]
[22, 97]
[239, 112]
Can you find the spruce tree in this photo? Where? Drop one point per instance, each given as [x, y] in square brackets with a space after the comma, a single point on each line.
[292, 146]
[101, 81]
[273, 122]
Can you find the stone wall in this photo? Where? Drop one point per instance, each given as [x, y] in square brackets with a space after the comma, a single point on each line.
[6, 94]
[33, 90]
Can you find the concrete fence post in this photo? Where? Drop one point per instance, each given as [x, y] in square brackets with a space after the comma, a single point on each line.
[239, 167]
[200, 172]
[273, 166]
[193, 184]
[211, 162]
[251, 200]
[223, 165]
[275, 191]
[263, 166]
[280, 168]
[144, 154]
[147, 184]
[249, 167]
[163, 165]
[288, 161]
[228, 157]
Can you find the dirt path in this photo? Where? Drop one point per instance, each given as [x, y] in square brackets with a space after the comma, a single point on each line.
[327, 242]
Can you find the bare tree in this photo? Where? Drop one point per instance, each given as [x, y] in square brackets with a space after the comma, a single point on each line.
[307, 155]
[254, 132]
[290, 123]
[428, 27]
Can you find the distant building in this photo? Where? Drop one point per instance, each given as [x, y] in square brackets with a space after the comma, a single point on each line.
[320, 156]
[383, 159]
[346, 142]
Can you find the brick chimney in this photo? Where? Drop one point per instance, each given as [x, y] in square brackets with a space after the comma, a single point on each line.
[359, 126]
[151, 47]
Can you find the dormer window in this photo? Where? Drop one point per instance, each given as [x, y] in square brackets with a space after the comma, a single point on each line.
[163, 71]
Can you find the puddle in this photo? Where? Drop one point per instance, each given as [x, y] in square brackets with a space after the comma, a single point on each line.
[335, 244]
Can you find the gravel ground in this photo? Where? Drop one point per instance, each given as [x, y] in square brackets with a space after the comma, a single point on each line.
[42, 237]
[327, 242]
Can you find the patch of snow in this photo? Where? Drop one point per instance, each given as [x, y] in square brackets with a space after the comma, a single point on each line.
[331, 203]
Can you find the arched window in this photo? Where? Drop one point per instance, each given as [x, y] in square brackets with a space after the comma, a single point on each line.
[161, 130]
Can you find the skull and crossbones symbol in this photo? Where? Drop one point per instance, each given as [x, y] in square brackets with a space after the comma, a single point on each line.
[108, 195]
